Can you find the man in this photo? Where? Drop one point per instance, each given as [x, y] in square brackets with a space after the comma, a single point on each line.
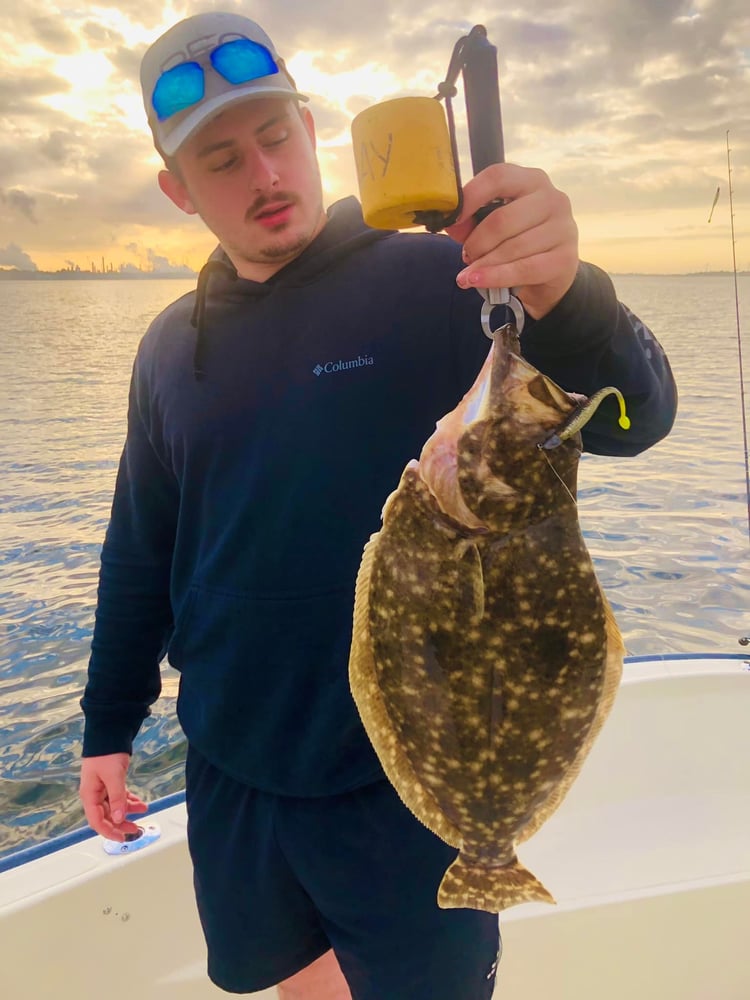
[262, 441]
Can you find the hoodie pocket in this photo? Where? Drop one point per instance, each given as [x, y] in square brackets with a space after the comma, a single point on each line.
[264, 691]
[262, 641]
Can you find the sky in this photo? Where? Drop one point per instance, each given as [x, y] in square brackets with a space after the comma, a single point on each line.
[624, 103]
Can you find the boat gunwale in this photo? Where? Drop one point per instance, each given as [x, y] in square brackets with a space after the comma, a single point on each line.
[37, 851]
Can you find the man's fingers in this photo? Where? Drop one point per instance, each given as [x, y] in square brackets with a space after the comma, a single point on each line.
[95, 817]
[118, 804]
[542, 216]
[105, 798]
[529, 243]
[528, 258]
[531, 200]
[501, 180]
[520, 275]
[505, 181]
[99, 819]
[135, 805]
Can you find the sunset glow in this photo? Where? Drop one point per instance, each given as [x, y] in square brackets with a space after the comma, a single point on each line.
[626, 106]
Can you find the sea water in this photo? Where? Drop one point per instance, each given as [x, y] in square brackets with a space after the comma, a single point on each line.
[668, 530]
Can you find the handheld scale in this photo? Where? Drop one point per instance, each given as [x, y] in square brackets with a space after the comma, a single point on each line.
[407, 157]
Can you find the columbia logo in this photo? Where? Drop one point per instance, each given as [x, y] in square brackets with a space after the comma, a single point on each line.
[342, 366]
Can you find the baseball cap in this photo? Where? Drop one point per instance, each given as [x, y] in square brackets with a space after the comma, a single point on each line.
[202, 65]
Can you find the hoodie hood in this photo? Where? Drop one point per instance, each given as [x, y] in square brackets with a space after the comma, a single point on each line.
[344, 233]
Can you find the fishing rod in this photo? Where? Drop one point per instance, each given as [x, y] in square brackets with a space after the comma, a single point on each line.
[744, 640]
[739, 330]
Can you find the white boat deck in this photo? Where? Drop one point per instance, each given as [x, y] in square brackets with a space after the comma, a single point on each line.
[648, 857]
[653, 802]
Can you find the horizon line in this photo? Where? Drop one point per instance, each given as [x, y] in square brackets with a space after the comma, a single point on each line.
[7, 271]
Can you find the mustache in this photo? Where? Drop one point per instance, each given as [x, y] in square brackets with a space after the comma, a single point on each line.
[262, 201]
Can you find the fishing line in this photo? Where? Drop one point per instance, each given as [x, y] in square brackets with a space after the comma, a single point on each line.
[739, 335]
[564, 484]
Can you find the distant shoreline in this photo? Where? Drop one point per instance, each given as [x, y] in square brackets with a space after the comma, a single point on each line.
[677, 274]
[14, 274]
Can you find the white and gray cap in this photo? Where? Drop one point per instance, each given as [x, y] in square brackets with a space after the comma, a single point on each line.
[193, 40]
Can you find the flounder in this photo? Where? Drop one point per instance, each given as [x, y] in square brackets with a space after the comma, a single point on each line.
[485, 657]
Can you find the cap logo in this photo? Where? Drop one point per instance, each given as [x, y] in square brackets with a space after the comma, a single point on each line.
[198, 47]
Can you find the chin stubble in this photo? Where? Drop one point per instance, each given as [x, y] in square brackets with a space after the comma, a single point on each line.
[280, 252]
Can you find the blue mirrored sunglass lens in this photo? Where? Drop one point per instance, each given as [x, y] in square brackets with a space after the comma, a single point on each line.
[241, 60]
[177, 89]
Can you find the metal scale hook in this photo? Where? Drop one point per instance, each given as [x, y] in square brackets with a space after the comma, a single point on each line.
[476, 58]
[500, 297]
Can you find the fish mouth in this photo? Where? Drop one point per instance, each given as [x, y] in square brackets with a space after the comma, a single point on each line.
[438, 462]
[517, 404]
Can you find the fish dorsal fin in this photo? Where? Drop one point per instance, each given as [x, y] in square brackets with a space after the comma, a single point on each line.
[374, 714]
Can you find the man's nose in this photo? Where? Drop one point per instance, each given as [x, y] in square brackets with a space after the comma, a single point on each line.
[263, 171]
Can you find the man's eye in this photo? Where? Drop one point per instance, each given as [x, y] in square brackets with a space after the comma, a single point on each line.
[224, 165]
[276, 139]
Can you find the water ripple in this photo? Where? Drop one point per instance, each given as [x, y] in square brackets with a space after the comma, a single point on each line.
[667, 530]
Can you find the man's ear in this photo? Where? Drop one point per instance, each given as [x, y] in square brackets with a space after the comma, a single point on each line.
[176, 191]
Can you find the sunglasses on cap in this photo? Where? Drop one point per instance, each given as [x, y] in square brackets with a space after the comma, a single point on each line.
[238, 61]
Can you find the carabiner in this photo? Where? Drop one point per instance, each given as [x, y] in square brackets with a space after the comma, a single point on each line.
[499, 297]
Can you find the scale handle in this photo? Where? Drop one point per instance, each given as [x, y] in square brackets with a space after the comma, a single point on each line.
[482, 92]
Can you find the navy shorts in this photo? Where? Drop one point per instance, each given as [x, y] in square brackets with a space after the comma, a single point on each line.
[281, 880]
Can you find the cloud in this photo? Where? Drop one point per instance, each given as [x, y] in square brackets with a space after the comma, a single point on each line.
[14, 256]
[330, 121]
[125, 58]
[162, 265]
[19, 93]
[128, 62]
[100, 35]
[54, 35]
[21, 202]
[325, 24]
[625, 105]
[148, 16]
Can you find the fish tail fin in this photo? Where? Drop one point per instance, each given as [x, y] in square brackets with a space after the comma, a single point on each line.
[469, 883]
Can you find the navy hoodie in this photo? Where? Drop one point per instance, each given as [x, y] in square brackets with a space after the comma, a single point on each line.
[246, 493]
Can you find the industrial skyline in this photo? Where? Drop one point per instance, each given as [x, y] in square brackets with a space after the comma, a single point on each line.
[625, 106]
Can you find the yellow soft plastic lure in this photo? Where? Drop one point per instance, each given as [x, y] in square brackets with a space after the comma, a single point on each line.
[582, 414]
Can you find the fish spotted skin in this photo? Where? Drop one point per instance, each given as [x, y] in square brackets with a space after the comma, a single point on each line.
[484, 656]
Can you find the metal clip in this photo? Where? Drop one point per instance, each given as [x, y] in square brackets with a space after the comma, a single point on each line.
[499, 297]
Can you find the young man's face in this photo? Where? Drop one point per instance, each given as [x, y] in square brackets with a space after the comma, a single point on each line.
[252, 175]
